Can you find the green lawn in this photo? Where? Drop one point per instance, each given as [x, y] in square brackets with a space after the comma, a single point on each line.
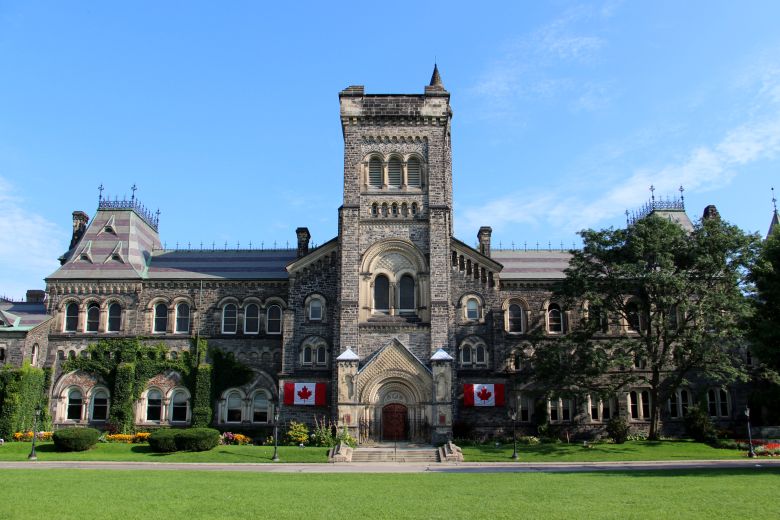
[80, 494]
[143, 453]
[632, 450]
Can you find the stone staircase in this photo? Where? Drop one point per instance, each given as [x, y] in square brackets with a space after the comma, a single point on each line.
[392, 455]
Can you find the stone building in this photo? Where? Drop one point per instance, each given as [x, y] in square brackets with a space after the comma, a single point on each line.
[393, 328]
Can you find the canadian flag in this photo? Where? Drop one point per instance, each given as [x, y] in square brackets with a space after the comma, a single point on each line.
[483, 395]
[307, 394]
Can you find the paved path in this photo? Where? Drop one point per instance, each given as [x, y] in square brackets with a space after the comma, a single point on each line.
[392, 467]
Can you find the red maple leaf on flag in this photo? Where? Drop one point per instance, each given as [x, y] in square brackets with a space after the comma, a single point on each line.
[483, 394]
[304, 393]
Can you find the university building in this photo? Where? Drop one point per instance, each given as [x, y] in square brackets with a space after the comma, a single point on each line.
[394, 328]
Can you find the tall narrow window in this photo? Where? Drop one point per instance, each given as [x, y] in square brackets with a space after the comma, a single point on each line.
[183, 318]
[673, 407]
[321, 355]
[252, 319]
[406, 299]
[315, 309]
[684, 402]
[160, 318]
[179, 406]
[260, 408]
[515, 319]
[114, 317]
[234, 407]
[472, 309]
[554, 319]
[71, 317]
[93, 317]
[394, 173]
[34, 356]
[597, 319]
[382, 294]
[100, 406]
[633, 399]
[465, 354]
[723, 403]
[632, 317]
[375, 173]
[229, 319]
[274, 320]
[645, 395]
[413, 172]
[154, 405]
[75, 402]
[481, 360]
[306, 358]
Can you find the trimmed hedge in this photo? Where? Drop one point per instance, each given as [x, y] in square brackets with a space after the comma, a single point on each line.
[163, 441]
[75, 439]
[197, 439]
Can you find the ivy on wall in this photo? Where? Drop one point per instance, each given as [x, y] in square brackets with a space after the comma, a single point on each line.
[21, 391]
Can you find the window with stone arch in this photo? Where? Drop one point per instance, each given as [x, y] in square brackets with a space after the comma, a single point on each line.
[394, 173]
[75, 405]
[473, 352]
[679, 403]
[114, 323]
[515, 316]
[261, 407]
[718, 403]
[71, 317]
[554, 316]
[160, 325]
[471, 308]
[154, 402]
[314, 352]
[375, 173]
[315, 307]
[273, 324]
[395, 281]
[413, 173]
[180, 406]
[633, 318]
[93, 317]
[99, 405]
[229, 318]
[234, 405]
[252, 319]
[182, 318]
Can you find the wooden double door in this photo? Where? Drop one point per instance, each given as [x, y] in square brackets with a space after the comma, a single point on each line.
[394, 422]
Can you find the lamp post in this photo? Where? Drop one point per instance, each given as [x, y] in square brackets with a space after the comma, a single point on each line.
[751, 452]
[276, 434]
[513, 415]
[33, 455]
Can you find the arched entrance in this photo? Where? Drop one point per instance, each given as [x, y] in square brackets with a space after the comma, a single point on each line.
[394, 426]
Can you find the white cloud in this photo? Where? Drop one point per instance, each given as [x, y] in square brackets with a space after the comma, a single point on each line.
[29, 247]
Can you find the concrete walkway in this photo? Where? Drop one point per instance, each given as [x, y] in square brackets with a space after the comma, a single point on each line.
[391, 467]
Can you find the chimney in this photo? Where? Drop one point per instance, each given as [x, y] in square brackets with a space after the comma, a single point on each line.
[303, 241]
[35, 296]
[80, 220]
[483, 235]
[711, 213]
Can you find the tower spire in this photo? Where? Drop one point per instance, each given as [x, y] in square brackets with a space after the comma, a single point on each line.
[436, 77]
[775, 223]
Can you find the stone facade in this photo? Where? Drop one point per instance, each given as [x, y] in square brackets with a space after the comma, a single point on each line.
[394, 314]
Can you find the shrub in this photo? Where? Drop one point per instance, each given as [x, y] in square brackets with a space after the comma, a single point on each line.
[297, 433]
[699, 426]
[618, 430]
[528, 440]
[163, 441]
[197, 439]
[75, 439]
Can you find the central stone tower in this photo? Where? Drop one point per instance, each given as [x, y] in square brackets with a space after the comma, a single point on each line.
[394, 238]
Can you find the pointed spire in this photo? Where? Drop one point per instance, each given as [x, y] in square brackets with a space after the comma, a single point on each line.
[775, 223]
[436, 78]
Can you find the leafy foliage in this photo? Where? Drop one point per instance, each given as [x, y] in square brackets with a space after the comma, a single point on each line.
[297, 433]
[661, 300]
[698, 425]
[197, 439]
[618, 430]
[21, 391]
[75, 439]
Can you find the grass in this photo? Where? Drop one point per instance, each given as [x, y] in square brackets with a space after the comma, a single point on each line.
[79, 494]
[603, 452]
[12, 451]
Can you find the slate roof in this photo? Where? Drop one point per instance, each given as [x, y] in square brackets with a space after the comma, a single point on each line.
[532, 265]
[21, 315]
[221, 264]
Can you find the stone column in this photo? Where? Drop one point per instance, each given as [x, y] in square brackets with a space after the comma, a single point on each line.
[346, 390]
[441, 368]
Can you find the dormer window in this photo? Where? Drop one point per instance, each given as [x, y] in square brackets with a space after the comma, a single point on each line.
[110, 226]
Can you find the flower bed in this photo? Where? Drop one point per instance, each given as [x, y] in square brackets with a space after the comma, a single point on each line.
[27, 436]
[228, 438]
[128, 438]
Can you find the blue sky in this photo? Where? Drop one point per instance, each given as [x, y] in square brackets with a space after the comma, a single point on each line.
[225, 114]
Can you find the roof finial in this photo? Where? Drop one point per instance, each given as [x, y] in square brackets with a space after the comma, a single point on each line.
[100, 195]
[774, 199]
[435, 77]
[682, 195]
[133, 188]
[652, 193]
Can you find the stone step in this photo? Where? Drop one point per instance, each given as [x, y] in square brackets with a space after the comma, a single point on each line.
[384, 455]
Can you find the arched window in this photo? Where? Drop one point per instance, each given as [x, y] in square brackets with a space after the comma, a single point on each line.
[306, 355]
[382, 294]
[322, 355]
[114, 317]
[234, 402]
[639, 404]
[71, 317]
[515, 318]
[183, 318]
[394, 209]
[274, 320]
[153, 406]
[480, 357]
[394, 173]
[100, 405]
[465, 355]
[180, 404]
[375, 173]
[72, 354]
[633, 322]
[406, 296]
[260, 408]
[414, 209]
[472, 309]
[315, 309]
[413, 175]
[554, 319]
[718, 402]
[93, 317]
[33, 357]
[374, 209]
[160, 318]
[252, 319]
[75, 403]
[229, 319]
[473, 352]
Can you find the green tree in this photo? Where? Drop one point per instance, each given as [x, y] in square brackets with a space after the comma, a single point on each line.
[657, 305]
